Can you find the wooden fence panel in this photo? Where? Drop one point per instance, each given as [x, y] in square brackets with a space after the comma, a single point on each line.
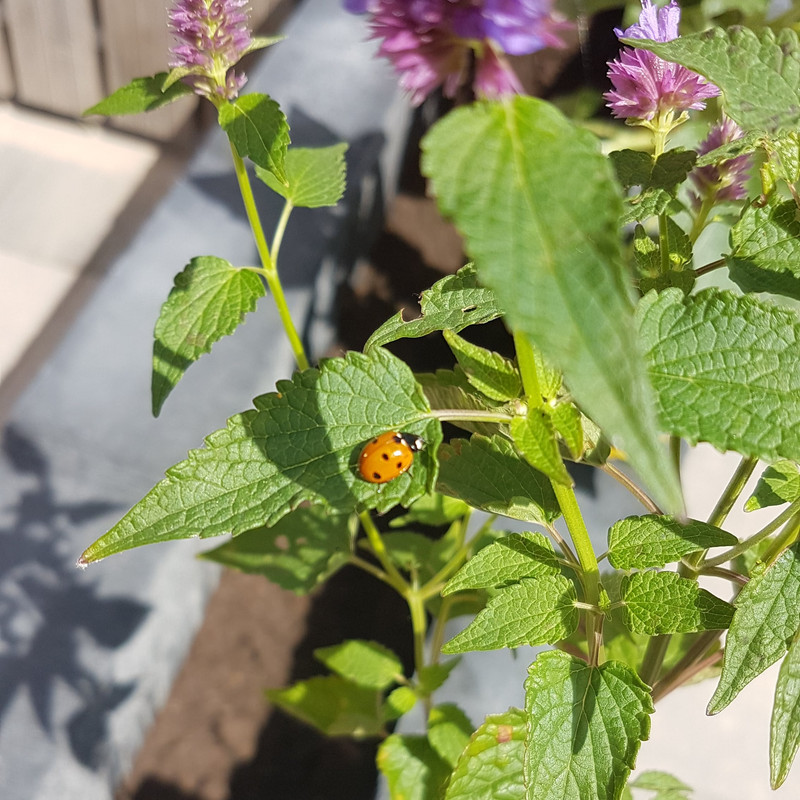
[54, 51]
[137, 42]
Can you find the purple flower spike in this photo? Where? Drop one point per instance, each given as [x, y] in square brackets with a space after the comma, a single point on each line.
[646, 86]
[211, 36]
[432, 43]
[727, 180]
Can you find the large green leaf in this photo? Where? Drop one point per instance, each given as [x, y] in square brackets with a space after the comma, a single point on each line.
[453, 303]
[537, 611]
[490, 475]
[315, 175]
[664, 602]
[333, 705]
[766, 619]
[540, 211]
[585, 725]
[785, 724]
[758, 73]
[298, 552]
[490, 767]
[141, 94]
[779, 484]
[258, 130]
[413, 769]
[766, 249]
[653, 540]
[208, 301]
[516, 556]
[726, 370]
[300, 443]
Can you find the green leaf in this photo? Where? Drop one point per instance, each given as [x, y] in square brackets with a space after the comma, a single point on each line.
[766, 619]
[366, 664]
[258, 130]
[300, 443]
[726, 370]
[539, 611]
[784, 735]
[766, 249]
[664, 602]
[541, 218]
[566, 420]
[516, 556]
[489, 372]
[535, 438]
[450, 389]
[412, 768]
[398, 702]
[432, 509]
[315, 175]
[490, 767]
[666, 786]
[780, 483]
[432, 676]
[333, 705]
[208, 301]
[453, 303]
[654, 541]
[659, 180]
[585, 725]
[757, 72]
[647, 254]
[490, 475]
[449, 729]
[141, 94]
[297, 553]
[260, 42]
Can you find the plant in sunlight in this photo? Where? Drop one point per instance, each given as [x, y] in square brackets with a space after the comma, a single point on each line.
[621, 363]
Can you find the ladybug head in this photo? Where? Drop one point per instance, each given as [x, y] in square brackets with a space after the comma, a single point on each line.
[416, 443]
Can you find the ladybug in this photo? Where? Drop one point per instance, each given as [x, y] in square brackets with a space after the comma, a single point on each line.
[388, 456]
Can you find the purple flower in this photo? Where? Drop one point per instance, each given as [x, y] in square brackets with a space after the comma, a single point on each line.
[433, 43]
[724, 181]
[211, 36]
[646, 86]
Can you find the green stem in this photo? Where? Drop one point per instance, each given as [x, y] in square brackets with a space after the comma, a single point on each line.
[621, 478]
[687, 666]
[732, 491]
[700, 220]
[469, 415]
[663, 243]
[280, 230]
[753, 540]
[437, 636]
[527, 368]
[269, 272]
[419, 625]
[710, 267]
[393, 576]
[786, 538]
[654, 658]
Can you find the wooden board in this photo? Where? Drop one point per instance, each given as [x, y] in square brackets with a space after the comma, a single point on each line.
[54, 52]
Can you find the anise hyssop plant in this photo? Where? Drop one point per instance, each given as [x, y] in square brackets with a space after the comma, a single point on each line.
[621, 363]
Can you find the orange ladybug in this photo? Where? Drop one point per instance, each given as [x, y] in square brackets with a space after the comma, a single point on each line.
[388, 456]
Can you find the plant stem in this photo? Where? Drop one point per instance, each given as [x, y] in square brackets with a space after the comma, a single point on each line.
[710, 267]
[787, 538]
[700, 220]
[732, 491]
[280, 229]
[686, 667]
[469, 415]
[437, 637]
[654, 658]
[527, 368]
[376, 572]
[419, 625]
[269, 271]
[727, 574]
[753, 540]
[393, 576]
[619, 476]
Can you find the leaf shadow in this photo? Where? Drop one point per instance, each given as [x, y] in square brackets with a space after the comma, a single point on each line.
[46, 609]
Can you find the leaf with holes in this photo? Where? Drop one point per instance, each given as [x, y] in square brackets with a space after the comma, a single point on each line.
[209, 301]
[541, 218]
[726, 370]
[585, 725]
[299, 443]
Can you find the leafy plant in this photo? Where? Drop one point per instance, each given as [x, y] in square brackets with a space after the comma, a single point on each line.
[589, 259]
